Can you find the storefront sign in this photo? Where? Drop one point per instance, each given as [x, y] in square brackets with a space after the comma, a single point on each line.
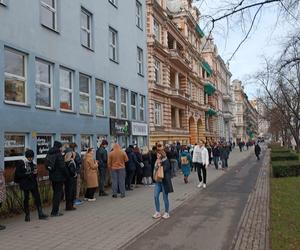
[120, 127]
[44, 143]
[140, 129]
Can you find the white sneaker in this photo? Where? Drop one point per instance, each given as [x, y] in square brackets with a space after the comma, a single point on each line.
[94, 199]
[199, 185]
[204, 185]
[166, 216]
[157, 215]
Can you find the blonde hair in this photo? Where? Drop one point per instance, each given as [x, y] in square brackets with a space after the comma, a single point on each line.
[145, 150]
[69, 156]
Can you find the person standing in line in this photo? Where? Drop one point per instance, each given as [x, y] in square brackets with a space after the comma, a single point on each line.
[257, 150]
[162, 186]
[216, 155]
[153, 158]
[26, 177]
[90, 174]
[71, 180]
[172, 155]
[186, 162]
[201, 161]
[224, 155]
[139, 166]
[2, 193]
[116, 162]
[101, 157]
[78, 163]
[209, 150]
[130, 166]
[147, 180]
[57, 174]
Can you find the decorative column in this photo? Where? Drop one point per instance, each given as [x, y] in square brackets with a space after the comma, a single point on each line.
[177, 118]
[177, 80]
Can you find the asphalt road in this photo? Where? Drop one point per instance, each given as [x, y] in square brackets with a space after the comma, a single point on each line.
[208, 220]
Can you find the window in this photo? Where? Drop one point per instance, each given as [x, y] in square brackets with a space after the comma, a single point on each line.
[156, 30]
[133, 106]
[43, 143]
[140, 61]
[100, 97]
[124, 102]
[66, 89]
[66, 140]
[139, 15]
[43, 84]
[85, 142]
[86, 28]
[142, 107]
[4, 2]
[114, 2]
[15, 76]
[157, 114]
[49, 13]
[112, 100]
[113, 45]
[85, 90]
[157, 71]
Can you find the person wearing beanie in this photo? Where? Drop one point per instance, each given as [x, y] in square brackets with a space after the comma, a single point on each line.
[58, 174]
[26, 177]
[101, 157]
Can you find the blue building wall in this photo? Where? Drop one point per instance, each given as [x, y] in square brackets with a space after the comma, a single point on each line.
[21, 29]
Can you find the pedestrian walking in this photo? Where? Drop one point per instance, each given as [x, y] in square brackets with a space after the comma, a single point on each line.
[116, 162]
[2, 193]
[163, 185]
[209, 150]
[78, 163]
[101, 157]
[71, 180]
[90, 166]
[57, 174]
[241, 146]
[257, 150]
[131, 166]
[147, 171]
[224, 155]
[26, 177]
[201, 161]
[216, 155]
[172, 155]
[186, 162]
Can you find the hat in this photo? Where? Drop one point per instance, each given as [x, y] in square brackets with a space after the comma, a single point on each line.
[104, 142]
[57, 144]
[67, 150]
[29, 153]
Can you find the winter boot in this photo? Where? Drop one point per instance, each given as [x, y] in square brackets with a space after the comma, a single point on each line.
[42, 216]
[27, 217]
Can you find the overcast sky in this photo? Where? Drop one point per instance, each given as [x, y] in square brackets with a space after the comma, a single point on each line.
[265, 41]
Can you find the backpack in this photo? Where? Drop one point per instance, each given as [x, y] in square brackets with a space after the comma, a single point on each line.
[184, 160]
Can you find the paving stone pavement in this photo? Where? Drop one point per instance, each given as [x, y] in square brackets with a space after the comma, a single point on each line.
[105, 224]
[252, 232]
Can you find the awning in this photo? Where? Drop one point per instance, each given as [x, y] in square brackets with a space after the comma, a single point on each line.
[200, 31]
[211, 112]
[209, 88]
[207, 68]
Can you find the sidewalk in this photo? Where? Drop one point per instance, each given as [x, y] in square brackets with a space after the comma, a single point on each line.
[106, 224]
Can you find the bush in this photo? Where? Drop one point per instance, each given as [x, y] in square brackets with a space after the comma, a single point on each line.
[281, 150]
[284, 156]
[275, 145]
[286, 168]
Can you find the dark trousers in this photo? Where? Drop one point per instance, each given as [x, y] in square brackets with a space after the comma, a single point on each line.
[201, 170]
[216, 161]
[70, 188]
[36, 196]
[224, 163]
[129, 178]
[257, 156]
[57, 188]
[89, 193]
[102, 175]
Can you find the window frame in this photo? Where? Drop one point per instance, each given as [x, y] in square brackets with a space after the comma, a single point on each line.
[142, 106]
[113, 48]
[85, 94]
[125, 104]
[157, 114]
[114, 3]
[70, 91]
[53, 10]
[44, 84]
[157, 69]
[157, 35]
[139, 14]
[132, 106]
[88, 31]
[140, 61]
[113, 101]
[17, 77]
[102, 98]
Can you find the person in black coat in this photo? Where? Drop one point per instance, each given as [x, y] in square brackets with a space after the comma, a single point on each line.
[163, 186]
[257, 150]
[131, 165]
[216, 155]
[139, 166]
[57, 174]
[153, 158]
[71, 180]
[26, 177]
[147, 170]
[101, 157]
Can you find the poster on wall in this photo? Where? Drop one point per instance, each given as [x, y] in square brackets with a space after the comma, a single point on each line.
[43, 143]
[120, 127]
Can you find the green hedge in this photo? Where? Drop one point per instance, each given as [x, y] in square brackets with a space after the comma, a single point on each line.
[281, 150]
[284, 156]
[286, 168]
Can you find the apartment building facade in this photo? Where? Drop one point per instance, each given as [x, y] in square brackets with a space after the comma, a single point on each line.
[72, 71]
[176, 73]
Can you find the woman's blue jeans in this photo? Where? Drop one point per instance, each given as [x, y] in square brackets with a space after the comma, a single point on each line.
[157, 190]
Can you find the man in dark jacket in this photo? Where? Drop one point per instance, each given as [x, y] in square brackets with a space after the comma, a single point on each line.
[57, 175]
[101, 157]
[224, 155]
[78, 163]
[25, 175]
[131, 165]
[216, 155]
[257, 150]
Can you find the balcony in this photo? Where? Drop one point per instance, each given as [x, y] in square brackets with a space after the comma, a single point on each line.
[227, 98]
[179, 94]
[178, 58]
[228, 115]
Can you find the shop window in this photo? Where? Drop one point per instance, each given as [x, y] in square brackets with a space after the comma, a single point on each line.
[66, 140]
[86, 143]
[100, 138]
[44, 143]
